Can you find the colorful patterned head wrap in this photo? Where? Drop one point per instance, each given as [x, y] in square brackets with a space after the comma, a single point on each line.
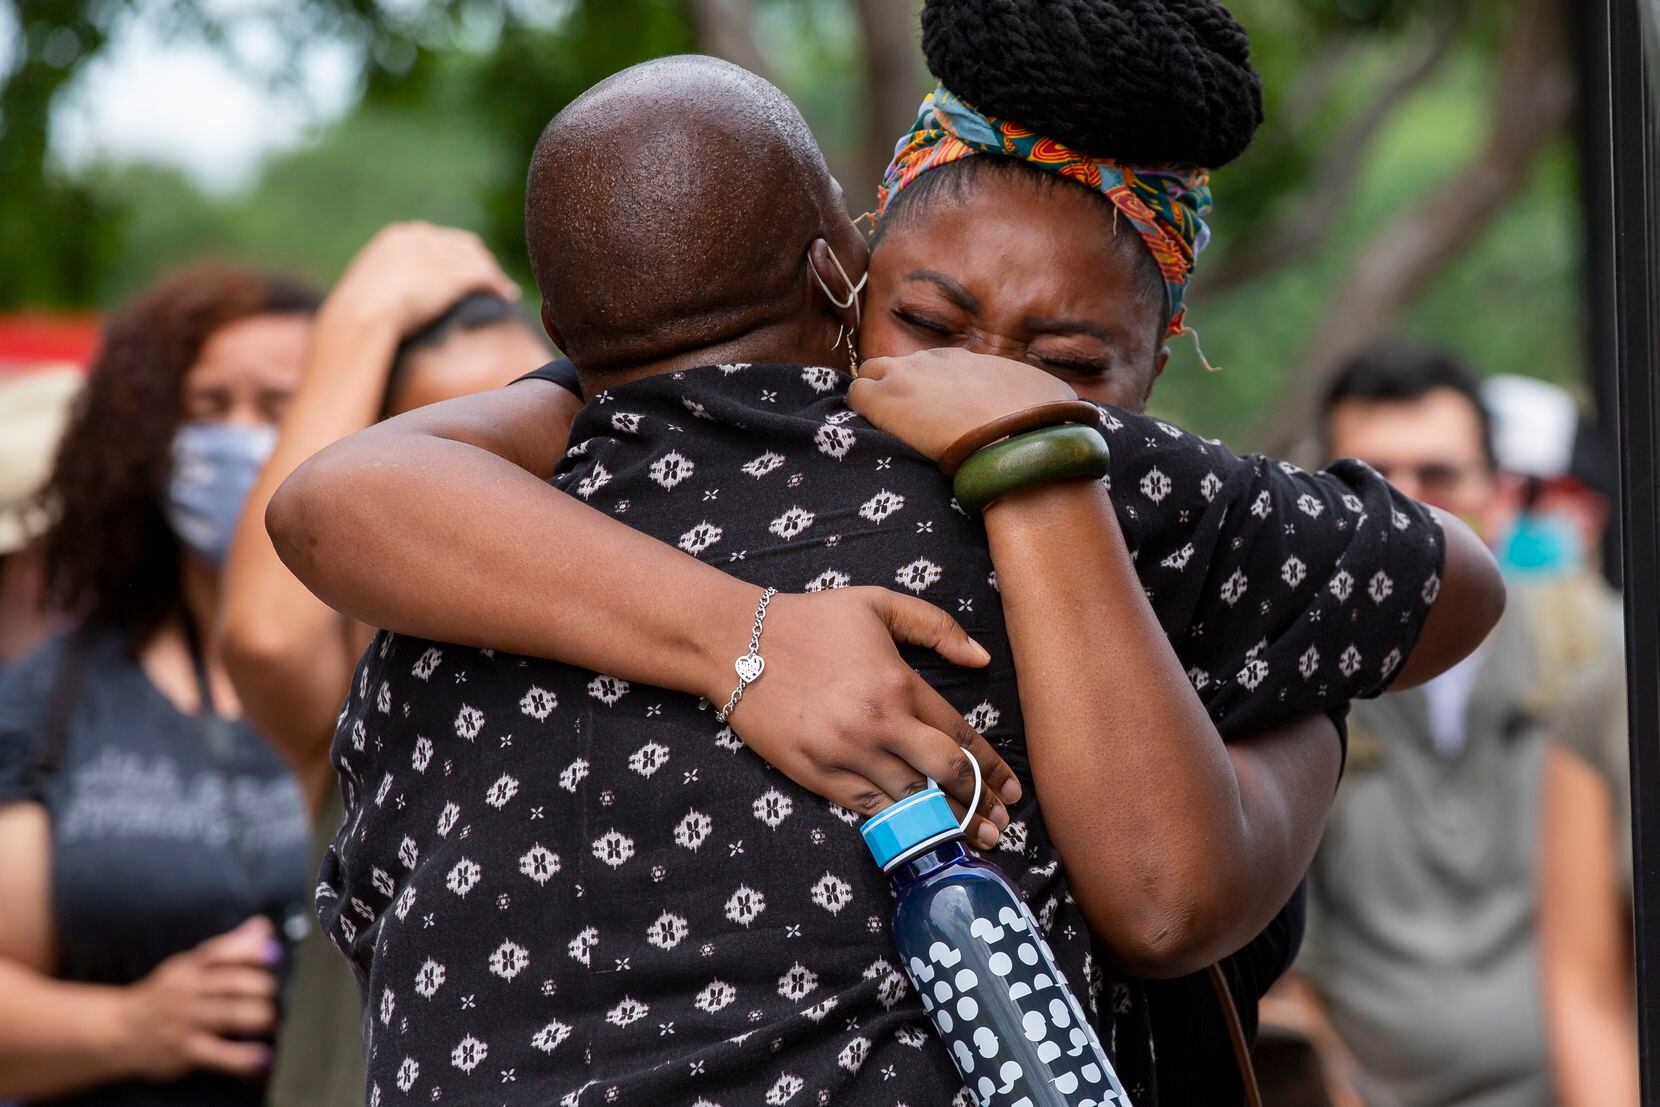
[1165, 204]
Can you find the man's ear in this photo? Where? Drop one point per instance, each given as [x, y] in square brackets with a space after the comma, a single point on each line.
[839, 281]
[553, 331]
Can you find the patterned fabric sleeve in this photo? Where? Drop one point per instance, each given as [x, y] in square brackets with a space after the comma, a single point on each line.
[1350, 569]
[1284, 592]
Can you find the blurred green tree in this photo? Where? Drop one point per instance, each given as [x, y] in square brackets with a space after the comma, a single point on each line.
[58, 232]
[54, 232]
[1528, 105]
[1391, 186]
[312, 207]
[509, 64]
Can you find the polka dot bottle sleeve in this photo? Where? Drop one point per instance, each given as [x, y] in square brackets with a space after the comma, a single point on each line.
[987, 978]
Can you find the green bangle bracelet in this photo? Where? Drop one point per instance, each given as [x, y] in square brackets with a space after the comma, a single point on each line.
[1028, 460]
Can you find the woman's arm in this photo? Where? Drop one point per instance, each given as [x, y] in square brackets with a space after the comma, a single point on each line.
[1180, 848]
[440, 524]
[1585, 940]
[57, 1038]
[931, 397]
[290, 656]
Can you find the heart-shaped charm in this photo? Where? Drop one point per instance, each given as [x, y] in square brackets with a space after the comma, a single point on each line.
[749, 667]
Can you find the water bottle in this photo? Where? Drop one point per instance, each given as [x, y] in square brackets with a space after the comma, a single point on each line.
[978, 960]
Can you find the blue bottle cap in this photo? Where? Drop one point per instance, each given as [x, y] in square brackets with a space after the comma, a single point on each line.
[911, 826]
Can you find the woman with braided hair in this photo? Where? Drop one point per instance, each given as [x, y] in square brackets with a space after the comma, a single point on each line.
[1181, 704]
[1134, 101]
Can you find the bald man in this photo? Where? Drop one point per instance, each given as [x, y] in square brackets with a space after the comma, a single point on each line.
[560, 886]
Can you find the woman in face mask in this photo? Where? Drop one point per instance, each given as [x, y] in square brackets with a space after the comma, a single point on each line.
[155, 846]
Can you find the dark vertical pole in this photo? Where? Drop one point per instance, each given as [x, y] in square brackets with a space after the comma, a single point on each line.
[1594, 137]
[1636, 302]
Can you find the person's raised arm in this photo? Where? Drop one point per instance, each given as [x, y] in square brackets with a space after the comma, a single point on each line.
[1181, 848]
[440, 524]
[289, 655]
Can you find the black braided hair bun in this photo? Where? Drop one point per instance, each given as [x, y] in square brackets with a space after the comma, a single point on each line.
[1143, 82]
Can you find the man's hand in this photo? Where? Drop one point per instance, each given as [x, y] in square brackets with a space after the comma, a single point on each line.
[931, 398]
[840, 712]
[410, 273]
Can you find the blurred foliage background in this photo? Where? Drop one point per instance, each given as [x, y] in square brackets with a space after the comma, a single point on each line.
[1416, 175]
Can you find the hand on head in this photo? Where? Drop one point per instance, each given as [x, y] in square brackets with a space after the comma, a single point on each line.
[410, 273]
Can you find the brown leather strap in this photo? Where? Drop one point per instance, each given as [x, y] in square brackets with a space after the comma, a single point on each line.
[1236, 1036]
[1036, 417]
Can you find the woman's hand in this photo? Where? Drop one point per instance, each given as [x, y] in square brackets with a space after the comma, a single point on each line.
[839, 712]
[187, 1014]
[411, 272]
[931, 398]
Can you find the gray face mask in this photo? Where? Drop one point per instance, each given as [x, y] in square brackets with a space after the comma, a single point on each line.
[215, 466]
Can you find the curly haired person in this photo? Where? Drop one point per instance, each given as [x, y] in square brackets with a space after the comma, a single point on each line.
[155, 844]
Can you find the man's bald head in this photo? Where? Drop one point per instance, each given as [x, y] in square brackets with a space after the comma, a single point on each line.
[671, 207]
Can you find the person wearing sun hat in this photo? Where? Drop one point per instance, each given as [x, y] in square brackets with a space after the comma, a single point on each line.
[34, 405]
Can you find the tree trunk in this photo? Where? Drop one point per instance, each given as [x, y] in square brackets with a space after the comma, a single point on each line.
[49, 233]
[1306, 228]
[723, 27]
[1531, 103]
[894, 84]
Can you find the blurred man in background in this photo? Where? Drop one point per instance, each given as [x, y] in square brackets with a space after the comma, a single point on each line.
[34, 406]
[1422, 950]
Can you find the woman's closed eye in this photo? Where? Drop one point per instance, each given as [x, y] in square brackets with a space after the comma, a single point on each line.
[919, 322]
[1074, 365]
[1071, 366]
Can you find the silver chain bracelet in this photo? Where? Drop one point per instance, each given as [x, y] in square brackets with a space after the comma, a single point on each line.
[751, 665]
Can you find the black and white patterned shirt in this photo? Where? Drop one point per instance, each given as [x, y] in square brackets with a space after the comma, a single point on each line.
[557, 887]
